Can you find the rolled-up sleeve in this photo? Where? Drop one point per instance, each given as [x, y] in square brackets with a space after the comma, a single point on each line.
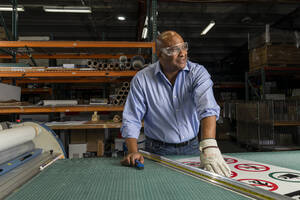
[204, 99]
[134, 110]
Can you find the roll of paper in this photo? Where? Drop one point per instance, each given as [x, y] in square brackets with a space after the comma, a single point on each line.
[16, 151]
[14, 136]
[59, 102]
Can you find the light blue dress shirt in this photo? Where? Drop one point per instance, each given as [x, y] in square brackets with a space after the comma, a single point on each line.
[171, 113]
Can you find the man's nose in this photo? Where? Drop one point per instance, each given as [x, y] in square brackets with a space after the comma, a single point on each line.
[182, 52]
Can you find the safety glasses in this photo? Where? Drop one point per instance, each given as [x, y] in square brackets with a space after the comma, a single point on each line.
[175, 50]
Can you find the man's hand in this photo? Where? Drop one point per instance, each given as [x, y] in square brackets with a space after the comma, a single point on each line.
[129, 160]
[211, 158]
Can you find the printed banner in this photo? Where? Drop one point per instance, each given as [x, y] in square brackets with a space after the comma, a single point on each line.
[269, 177]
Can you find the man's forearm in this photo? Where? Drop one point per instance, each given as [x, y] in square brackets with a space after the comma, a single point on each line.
[131, 144]
[208, 127]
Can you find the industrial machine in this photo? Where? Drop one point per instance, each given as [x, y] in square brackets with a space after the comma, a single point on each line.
[25, 150]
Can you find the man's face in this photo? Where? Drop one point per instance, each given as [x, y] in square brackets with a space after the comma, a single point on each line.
[174, 54]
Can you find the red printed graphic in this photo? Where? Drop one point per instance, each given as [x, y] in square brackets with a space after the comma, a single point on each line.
[252, 167]
[267, 185]
[230, 160]
[233, 174]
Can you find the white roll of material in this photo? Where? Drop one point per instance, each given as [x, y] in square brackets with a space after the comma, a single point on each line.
[59, 102]
[15, 136]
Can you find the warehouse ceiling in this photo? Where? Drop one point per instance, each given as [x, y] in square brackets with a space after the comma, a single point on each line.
[235, 21]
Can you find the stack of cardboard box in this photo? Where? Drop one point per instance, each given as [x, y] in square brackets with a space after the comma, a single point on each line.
[91, 139]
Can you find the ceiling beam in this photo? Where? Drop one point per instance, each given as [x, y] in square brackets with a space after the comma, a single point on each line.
[232, 1]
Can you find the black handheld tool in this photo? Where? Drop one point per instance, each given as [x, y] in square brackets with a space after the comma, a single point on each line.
[138, 164]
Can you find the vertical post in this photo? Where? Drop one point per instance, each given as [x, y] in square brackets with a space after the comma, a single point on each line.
[149, 14]
[263, 80]
[258, 124]
[249, 46]
[14, 24]
[154, 25]
[267, 36]
[5, 27]
[246, 87]
[148, 21]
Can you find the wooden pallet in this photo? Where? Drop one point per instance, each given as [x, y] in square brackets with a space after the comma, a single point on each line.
[274, 56]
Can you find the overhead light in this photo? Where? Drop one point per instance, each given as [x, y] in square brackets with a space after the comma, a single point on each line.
[67, 9]
[145, 29]
[146, 21]
[145, 33]
[209, 26]
[10, 8]
[121, 18]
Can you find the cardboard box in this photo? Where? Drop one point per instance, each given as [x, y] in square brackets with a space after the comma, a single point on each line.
[77, 150]
[93, 136]
[100, 151]
[274, 55]
[78, 137]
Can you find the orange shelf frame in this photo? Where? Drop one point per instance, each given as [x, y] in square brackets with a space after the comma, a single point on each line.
[68, 73]
[68, 80]
[69, 56]
[87, 125]
[286, 123]
[74, 44]
[78, 44]
[52, 109]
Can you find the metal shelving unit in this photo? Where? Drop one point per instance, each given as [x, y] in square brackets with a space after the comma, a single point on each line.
[62, 50]
[264, 73]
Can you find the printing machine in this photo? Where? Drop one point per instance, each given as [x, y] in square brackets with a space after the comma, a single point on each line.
[25, 150]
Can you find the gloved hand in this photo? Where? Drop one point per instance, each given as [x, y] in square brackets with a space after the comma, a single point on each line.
[211, 158]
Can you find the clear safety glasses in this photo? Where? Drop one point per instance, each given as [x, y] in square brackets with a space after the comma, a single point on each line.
[175, 50]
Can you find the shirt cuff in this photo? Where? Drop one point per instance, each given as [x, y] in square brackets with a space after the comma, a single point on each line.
[208, 113]
[130, 131]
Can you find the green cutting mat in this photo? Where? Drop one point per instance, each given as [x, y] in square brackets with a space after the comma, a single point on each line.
[105, 178]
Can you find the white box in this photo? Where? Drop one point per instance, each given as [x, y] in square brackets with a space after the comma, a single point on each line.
[69, 66]
[119, 144]
[9, 92]
[77, 150]
[275, 96]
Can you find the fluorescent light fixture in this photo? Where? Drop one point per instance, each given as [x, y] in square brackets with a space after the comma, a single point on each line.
[209, 26]
[121, 18]
[145, 33]
[145, 29]
[10, 8]
[146, 21]
[67, 9]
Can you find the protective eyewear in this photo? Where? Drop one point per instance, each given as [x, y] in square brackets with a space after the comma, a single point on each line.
[175, 50]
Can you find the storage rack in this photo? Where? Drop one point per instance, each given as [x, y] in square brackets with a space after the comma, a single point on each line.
[68, 49]
[264, 73]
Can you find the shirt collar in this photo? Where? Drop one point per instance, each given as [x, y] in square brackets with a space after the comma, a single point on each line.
[158, 68]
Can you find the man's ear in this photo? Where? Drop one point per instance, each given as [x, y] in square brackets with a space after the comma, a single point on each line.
[159, 54]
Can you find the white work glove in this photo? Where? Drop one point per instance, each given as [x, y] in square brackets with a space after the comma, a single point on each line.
[211, 158]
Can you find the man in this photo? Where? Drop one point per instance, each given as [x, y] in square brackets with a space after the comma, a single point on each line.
[173, 96]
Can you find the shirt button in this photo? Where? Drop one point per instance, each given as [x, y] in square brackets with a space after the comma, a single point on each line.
[175, 97]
